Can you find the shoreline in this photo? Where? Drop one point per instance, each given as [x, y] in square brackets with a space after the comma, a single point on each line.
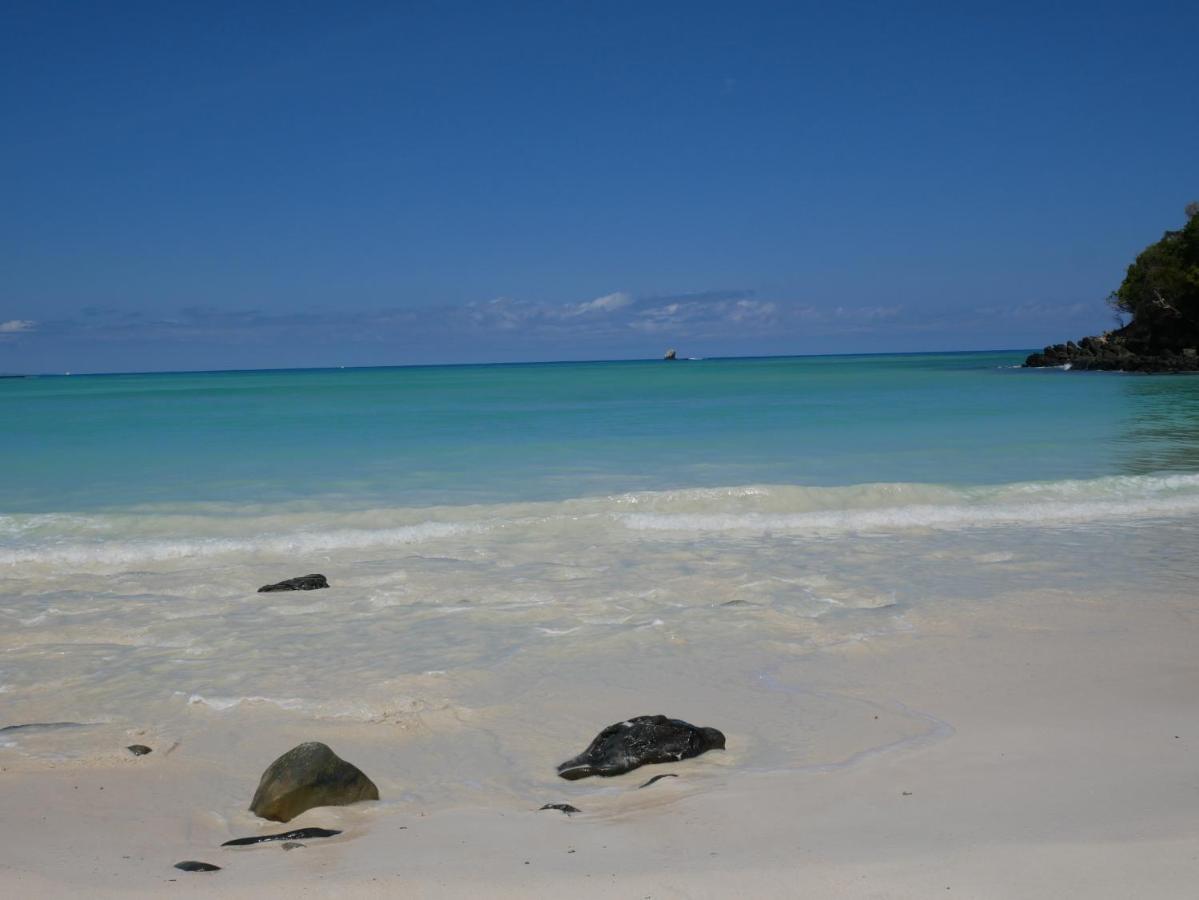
[1069, 772]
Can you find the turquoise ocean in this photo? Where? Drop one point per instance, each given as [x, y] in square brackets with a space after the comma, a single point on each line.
[601, 539]
[438, 435]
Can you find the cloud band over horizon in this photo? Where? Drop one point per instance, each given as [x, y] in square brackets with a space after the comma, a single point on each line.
[613, 325]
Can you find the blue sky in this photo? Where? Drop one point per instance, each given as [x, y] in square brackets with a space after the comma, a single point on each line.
[229, 185]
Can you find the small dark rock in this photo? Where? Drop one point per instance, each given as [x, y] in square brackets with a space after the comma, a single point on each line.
[298, 834]
[42, 726]
[139, 749]
[306, 776]
[562, 807]
[640, 741]
[302, 583]
[192, 865]
[657, 778]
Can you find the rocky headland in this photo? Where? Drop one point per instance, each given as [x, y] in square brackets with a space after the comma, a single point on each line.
[1161, 293]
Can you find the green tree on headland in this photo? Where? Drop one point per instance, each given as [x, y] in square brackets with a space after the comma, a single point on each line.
[1161, 291]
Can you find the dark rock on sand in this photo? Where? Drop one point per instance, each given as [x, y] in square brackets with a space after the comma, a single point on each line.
[562, 807]
[302, 583]
[192, 865]
[298, 834]
[637, 742]
[306, 776]
[139, 749]
[657, 778]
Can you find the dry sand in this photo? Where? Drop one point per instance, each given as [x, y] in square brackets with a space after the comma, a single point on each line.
[1067, 765]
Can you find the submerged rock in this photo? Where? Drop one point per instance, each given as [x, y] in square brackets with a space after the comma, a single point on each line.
[194, 865]
[306, 776]
[298, 834]
[640, 741]
[302, 583]
[657, 778]
[139, 749]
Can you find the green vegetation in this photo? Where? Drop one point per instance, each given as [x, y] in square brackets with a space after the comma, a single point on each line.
[1161, 292]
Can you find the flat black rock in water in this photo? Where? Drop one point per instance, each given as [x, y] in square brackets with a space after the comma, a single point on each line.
[303, 583]
[640, 741]
[192, 865]
[139, 749]
[562, 807]
[298, 834]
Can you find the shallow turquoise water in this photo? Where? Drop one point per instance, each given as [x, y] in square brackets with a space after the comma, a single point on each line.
[432, 436]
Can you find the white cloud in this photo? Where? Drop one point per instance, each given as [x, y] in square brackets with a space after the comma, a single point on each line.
[750, 310]
[15, 326]
[867, 313]
[606, 303]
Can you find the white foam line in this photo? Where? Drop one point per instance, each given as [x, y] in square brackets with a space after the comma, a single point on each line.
[910, 517]
[301, 543]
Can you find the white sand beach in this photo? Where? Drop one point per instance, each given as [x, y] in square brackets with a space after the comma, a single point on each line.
[1063, 764]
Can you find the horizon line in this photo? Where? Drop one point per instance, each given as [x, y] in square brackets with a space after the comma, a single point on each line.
[529, 362]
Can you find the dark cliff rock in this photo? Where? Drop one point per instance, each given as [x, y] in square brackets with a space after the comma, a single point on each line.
[1117, 351]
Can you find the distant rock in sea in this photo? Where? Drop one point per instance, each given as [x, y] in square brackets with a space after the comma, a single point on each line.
[309, 775]
[302, 583]
[671, 354]
[640, 741]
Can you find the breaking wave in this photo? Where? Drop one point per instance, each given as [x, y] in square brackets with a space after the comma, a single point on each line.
[128, 538]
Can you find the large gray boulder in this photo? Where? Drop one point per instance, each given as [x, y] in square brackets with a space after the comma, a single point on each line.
[306, 776]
